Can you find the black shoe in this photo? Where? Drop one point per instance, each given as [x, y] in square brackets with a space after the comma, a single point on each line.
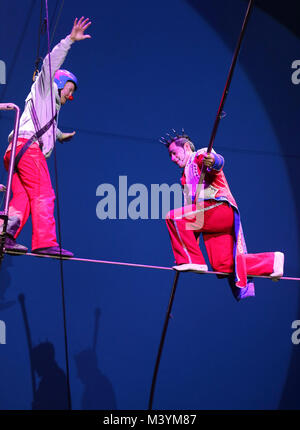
[13, 247]
[53, 251]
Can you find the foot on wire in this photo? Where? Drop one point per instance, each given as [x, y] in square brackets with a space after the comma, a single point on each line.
[53, 251]
[190, 267]
[277, 266]
[11, 246]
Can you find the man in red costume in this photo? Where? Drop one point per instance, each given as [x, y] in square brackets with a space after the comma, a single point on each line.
[215, 214]
[32, 190]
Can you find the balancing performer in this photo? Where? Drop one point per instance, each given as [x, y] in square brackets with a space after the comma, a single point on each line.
[31, 185]
[216, 216]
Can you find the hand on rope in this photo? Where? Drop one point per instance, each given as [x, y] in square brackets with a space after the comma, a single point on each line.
[65, 137]
[208, 159]
[79, 28]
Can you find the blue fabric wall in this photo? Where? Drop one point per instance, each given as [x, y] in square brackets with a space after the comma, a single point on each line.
[149, 67]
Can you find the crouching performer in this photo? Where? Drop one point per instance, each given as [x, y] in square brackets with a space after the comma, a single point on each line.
[217, 217]
[31, 185]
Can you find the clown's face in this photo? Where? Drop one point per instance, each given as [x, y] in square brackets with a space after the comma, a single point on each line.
[178, 154]
[67, 92]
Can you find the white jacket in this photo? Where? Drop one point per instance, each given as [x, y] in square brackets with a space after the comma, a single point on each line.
[40, 94]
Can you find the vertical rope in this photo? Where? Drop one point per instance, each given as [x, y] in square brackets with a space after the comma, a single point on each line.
[57, 20]
[59, 224]
[199, 187]
[162, 341]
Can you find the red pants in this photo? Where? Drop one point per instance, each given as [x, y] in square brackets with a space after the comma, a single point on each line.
[33, 194]
[217, 228]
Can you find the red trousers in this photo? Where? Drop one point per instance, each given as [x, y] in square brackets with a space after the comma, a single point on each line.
[217, 228]
[33, 194]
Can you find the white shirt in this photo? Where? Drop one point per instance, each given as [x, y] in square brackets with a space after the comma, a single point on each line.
[40, 95]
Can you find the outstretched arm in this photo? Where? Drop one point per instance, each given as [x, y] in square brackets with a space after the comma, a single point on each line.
[59, 53]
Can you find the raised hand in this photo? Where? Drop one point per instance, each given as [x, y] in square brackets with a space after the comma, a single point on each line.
[79, 28]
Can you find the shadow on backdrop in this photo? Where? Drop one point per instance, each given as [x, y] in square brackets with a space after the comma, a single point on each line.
[98, 391]
[51, 392]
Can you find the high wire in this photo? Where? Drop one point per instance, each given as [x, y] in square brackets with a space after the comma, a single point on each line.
[142, 266]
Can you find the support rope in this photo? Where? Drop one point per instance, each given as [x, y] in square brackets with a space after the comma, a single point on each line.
[162, 340]
[58, 221]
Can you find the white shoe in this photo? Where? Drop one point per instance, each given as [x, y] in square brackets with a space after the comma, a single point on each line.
[190, 267]
[278, 265]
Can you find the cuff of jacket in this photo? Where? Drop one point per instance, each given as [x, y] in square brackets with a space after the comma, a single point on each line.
[219, 162]
[68, 40]
[58, 134]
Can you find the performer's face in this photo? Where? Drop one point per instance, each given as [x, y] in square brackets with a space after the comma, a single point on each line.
[178, 154]
[66, 92]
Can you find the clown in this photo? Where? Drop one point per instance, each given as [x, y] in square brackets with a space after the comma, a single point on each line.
[31, 185]
[210, 210]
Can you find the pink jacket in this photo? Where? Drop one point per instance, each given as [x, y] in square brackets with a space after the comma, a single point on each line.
[216, 188]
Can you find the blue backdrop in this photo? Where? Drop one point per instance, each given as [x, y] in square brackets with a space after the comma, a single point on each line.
[150, 67]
